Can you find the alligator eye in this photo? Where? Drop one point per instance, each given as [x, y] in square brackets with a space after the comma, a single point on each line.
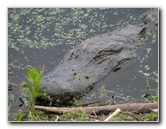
[9, 89]
[142, 38]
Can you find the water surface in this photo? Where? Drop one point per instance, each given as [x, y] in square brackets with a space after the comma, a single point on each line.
[42, 36]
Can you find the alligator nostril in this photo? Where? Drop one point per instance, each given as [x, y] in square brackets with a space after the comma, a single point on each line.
[116, 69]
[86, 77]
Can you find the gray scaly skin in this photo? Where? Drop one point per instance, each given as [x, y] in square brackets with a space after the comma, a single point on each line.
[94, 58]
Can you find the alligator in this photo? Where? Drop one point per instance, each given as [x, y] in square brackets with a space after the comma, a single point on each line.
[93, 59]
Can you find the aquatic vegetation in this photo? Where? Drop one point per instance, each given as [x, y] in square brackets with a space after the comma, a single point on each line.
[33, 29]
[33, 90]
[41, 28]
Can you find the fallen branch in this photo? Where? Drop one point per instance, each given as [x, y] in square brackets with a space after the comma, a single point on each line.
[135, 107]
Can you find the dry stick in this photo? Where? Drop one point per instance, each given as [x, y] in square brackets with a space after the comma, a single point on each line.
[137, 107]
[94, 113]
[154, 110]
[112, 115]
[57, 117]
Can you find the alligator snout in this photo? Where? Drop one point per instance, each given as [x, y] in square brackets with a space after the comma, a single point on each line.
[53, 87]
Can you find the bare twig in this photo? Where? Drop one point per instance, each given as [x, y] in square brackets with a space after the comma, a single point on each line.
[154, 110]
[94, 113]
[113, 114]
[57, 117]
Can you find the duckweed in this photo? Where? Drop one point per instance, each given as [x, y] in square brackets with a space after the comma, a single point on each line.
[44, 27]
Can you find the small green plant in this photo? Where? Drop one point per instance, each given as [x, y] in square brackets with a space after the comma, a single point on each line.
[155, 97]
[153, 116]
[20, 116]
[34, 86]
[9, 107]
[78, 115]
[77, 104]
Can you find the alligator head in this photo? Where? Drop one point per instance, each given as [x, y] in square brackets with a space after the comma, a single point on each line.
[91, 61]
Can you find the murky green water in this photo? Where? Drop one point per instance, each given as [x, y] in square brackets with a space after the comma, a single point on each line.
[38, 37]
